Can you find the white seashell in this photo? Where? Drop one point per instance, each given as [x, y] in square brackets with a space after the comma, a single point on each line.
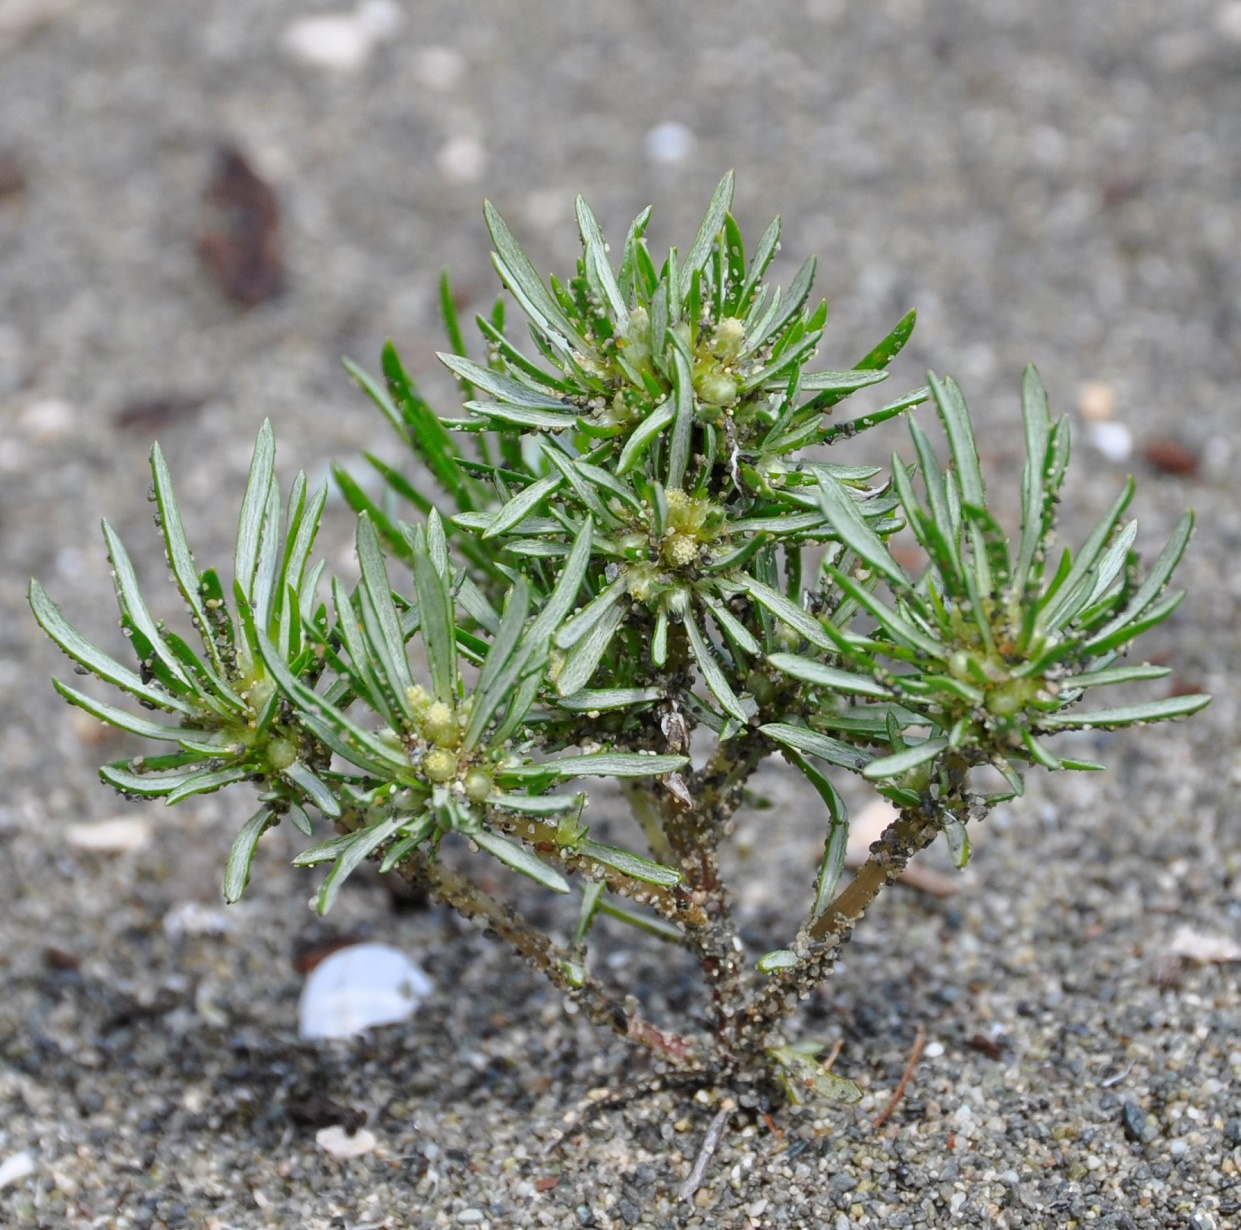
[357, 988]
[14, 1169]
[336, 1141]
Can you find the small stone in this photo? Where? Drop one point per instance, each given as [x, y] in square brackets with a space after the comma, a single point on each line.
[48, 419]
[339, 42]
[439, 68]
[336, 1141]
[1113, 441]
[15, 1168]
[1134, 1123]
[120, 835]
[1232, 1133]
[668, 143]
[461, 159]
[1096, 401]
[1228, 21]
[193, 918]
[470, 1217]
[357, 988]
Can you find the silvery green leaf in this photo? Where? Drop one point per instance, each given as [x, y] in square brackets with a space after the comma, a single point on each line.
[520, 859]
[631, 865]
[712, 224]
[803, 739]
[520, 276]
[810, 671]
[901, 762]
[1126, 715]
[94, 660]
[713, 675]
[254, 507]
[588, 649]
[241, 855]
[313, 787]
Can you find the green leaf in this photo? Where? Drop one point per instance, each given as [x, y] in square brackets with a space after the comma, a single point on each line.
[786, 611]
[1126, 715]
[208, 782]
[598, 267]
[504, 388]
[700, 251]
[95, 661]
[960, 432]
[604, 699]
[901, 762]
[520, 859]
[642, 436]
[802, 739]
[360, 846]
[382, 628]
[241, 855]
[180, 558]
[603, 764]
[254, 507]
[438, 626]
[850, 527]
[810, 671]
[521, 506]
[712, 673]
[683, 421]
[520, 276]
[589, 615]
[300, 775]
[892, 345]
[588, 648]
[132, 604]
[835, 847]
[134, 725]
[631, 865]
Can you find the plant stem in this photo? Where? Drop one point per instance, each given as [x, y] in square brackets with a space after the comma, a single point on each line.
[557, 964]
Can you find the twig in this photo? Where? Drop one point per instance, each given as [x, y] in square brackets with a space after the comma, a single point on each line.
[901, 1085]
[710, 1143]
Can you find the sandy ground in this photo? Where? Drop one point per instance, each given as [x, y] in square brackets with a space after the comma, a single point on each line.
[1055, 182]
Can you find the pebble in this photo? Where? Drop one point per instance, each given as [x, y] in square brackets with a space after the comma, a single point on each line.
[342, 42]
[15, 1168]
[1113, 441]
[49, 419]
[357, 988]
[120, 835]
[194, 918]
[1096, 401]
[439, 68]
[336, 1141]
[461, 159]
[668, 143]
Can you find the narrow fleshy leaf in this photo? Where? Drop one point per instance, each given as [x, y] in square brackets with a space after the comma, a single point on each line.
[810, 671]
[241, 854]
[520, 859]
[802, 739]
[1126, 715]
[631, 865]
[901, 762]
